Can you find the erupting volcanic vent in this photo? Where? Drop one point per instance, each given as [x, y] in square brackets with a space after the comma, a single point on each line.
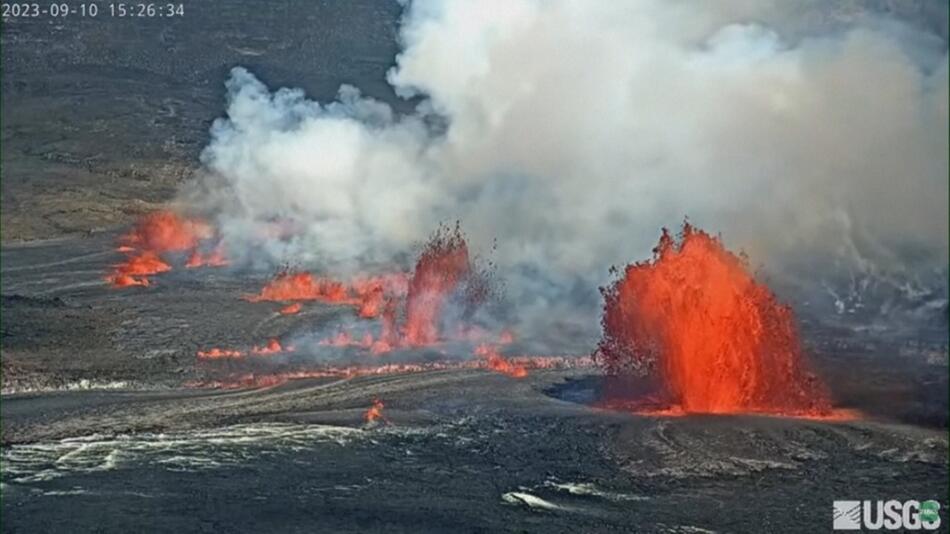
[157, 234]
[443, 264]
[443, 273]
[718, 340]
[165, 231]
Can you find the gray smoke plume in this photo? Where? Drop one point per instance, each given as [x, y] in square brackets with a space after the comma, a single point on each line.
[571, 132]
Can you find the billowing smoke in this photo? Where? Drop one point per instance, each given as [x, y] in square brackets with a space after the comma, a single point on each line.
[568, 133]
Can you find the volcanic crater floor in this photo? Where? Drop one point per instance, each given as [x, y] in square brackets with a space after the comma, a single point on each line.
[106, 429]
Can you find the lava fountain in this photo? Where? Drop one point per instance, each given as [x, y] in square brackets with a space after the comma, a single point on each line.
[156, 234]
[441, 267]
[717, 340]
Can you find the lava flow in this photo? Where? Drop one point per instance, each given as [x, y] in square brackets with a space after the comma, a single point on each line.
[218, 354]
[367, 294]
[717, 340]
[273, 346]
[135, 270]
[156, 234]
[289, 286]
[279, 376]
[291, 309]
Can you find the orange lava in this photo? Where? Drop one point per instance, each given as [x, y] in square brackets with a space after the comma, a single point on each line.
[291, 309]
[215, 258]
[833, 415]
[371, 303]
[289, 286]
[345, 339]
[166, 231]
[392, 284]
[136, 269]
[444, 262]
[718, 340]
[496, 362]
[409, 309]
[375, 412]
[252, 380]
[273, 346]
[368, 294]
[156, 234]
[217, 354]
[367, 342]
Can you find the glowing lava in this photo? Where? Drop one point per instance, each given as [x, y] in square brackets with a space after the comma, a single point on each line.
[166, 231]
[718, 340]
[157, 234]
[368, 294]
[275, 377]
[496, 362]
[442, 273]
[273, 347]
[410, 309]
[218, 354]
[215, 258]
[291, 309]
[290, 286]
[443, 264]
[136, 269]
[375, 412]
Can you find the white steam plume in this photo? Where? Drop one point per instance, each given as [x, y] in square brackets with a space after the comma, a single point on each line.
[571, 131]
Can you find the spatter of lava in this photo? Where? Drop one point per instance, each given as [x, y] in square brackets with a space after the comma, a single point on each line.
[157, 234]
[375, 412]
[441, 267]
[718, 340]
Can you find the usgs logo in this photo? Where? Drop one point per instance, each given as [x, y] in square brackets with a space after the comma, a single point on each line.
[889, 515]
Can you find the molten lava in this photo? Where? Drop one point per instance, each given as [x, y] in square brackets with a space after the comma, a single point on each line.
[215, 258]
[289, 286]
[156, 234]
[496, 362]
[273, 347]
[166, 231]
[371, 303]
[217, 354]
[135, 270]
[443, 264]
[375, 412]
[291, 309]
[717, 339]
[367, 294]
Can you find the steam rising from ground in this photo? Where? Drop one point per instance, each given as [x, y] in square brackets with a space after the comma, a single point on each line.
[571, 131]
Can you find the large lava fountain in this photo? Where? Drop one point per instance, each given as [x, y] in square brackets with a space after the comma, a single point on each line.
[717, 340]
